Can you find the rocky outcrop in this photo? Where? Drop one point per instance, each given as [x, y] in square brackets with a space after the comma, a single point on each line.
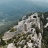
[29, 31]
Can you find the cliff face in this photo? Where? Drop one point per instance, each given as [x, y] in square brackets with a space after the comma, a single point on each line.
[28, 33]
[45, 30]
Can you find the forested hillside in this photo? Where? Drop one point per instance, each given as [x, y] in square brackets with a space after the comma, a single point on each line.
[45, 30]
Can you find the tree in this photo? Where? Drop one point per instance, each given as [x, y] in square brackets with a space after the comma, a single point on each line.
[13, 30]
[2, 42]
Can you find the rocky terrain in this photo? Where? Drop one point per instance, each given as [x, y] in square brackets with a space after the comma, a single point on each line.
[34, 36]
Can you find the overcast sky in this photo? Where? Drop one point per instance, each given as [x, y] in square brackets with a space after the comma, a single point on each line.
[23, 0]
[26, 0]
[38, 2]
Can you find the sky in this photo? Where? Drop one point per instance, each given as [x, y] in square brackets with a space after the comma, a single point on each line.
[7, 1]
[37, 0]
[23, 0]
